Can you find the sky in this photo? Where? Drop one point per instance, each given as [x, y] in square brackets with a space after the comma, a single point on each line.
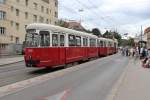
[124, 16]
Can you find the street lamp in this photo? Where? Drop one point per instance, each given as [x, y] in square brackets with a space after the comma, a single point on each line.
[80, 11]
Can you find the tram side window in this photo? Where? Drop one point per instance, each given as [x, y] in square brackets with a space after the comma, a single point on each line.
[115, 46]
[78, 41]
[98, 42]
[109, 44]
[104, 44]
[85, 42]
[62, 40]
[92, 42]
[54, 40]
[72, 40]
[101, 43]
[44, 38]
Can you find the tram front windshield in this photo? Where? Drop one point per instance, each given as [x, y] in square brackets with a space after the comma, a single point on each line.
[32, 40]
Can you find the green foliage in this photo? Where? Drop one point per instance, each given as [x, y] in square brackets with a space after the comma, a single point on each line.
[61, 23]
[112, 35]
[127, 42]
[108, 35]
[96, 32]
[131, 41]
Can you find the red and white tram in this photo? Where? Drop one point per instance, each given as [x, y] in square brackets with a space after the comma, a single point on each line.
[49, 46]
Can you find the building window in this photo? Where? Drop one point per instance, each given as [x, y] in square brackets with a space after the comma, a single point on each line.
[11, 38]
[18, 1]
[47, 21]
[55, 23]
[17, 12]
[34, 18]
[2, 30]
[47, 1]
[25, 26]
[56, 3]
[35, 6]
[47, 11]
[12, 8]
[17, 26]
[11, 23]
[42, 8]
[2, 15]
[26, 15]
[3, 46]
[41, 19]
[56, 14]
[17, 40]
[2, 1]
[27, 2]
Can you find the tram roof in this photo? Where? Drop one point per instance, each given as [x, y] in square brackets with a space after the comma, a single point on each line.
[40, 26]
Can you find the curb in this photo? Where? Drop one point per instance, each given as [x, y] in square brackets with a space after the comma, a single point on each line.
[2, 65]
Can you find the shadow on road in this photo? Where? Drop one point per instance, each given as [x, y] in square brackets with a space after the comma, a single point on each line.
[45, 71]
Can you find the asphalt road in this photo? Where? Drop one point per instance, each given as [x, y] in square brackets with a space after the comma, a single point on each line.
[93, 81]
[18, 72]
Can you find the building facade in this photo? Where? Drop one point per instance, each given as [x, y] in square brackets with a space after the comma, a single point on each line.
[147, 35]
[15, 15]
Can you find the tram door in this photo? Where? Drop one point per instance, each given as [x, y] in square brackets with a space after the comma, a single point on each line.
[62, 50]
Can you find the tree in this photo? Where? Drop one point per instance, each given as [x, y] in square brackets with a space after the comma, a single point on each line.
[131, 41]
[96, 32]
[62, 23]
[108, 34]
[117, 36]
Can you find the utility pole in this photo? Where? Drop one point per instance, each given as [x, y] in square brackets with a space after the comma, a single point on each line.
[141, 33]
[141, 36]
[80, 11]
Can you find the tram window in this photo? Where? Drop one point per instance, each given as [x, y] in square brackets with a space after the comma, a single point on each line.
[54, 40]
[109, 44]
[104, 44]
[72, 40]
[62, 40]
[115, 45]
[92, 42]
[98, 43]
[85, 42]
[101, 43]
[44, 38]
[78, 41]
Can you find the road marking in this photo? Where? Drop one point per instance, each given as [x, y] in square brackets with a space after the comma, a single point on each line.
[60, 96]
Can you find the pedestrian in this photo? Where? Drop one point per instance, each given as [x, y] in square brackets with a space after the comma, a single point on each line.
[127, 51]
[142, 53]
[134, 50]
[131, 52]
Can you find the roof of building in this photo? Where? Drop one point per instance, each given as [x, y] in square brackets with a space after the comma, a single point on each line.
[75, 25]
[147, 30]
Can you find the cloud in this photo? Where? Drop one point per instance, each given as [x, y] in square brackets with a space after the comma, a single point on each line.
[124, 15]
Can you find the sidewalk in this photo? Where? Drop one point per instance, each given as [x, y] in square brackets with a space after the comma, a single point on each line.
[10, 60]
[135, 83]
